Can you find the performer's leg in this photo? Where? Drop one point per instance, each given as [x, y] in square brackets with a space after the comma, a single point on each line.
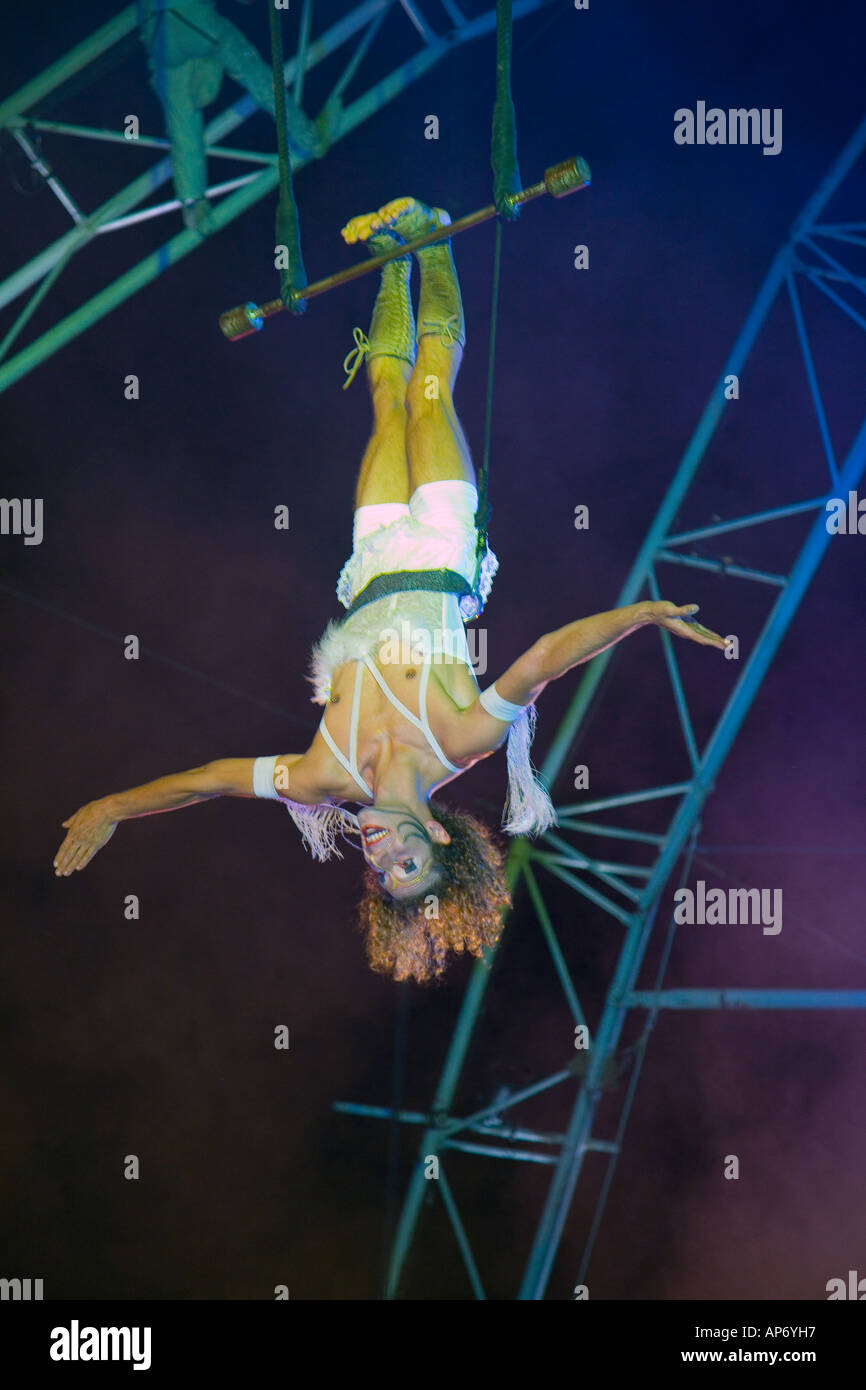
[384, 475]
[390, 353]
[436, 445]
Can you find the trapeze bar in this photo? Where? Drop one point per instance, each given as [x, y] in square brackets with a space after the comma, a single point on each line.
[559, 180]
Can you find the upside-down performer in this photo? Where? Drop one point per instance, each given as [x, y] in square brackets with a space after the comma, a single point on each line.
[404, 714]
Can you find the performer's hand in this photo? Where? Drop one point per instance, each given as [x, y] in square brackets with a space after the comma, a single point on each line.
[87, 831]
[681, 622]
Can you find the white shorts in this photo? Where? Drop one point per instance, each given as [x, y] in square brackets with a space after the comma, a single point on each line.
[436, 530]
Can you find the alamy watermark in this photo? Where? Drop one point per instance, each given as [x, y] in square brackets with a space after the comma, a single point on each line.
[76, 1343]
[731, 907]
[21, 1290]
[736, 126]
[846, 518]
[22, 516]
[854, 1289]
[411, 646]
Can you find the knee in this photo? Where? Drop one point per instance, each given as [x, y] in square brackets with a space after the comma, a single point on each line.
[419, 400]
[388, 379]
[389, 407]
[428, 393]
[433, 377]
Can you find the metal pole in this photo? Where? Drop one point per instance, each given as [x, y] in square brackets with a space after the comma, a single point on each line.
[141, 142]
[746, 999]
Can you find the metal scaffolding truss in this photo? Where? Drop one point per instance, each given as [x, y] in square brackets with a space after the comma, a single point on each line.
[629, 877]
[18, 115]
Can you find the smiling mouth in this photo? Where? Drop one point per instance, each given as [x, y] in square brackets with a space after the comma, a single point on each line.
[373, 835]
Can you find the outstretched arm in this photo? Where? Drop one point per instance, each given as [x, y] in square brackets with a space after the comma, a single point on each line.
[93, 825]
[558, 652]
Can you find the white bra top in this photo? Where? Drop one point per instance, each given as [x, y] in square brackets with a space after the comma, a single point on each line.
[350, 763]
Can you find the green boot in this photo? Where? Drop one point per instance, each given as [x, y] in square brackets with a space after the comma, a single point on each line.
[440, 307]
[392, 327]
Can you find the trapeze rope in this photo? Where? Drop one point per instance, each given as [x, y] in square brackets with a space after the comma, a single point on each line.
[293, 277]
[503, 146]
[506, 184]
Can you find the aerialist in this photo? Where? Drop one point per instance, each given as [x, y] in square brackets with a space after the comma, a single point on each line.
[402, 719]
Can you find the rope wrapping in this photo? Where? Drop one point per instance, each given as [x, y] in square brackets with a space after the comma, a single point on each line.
[506, 183]
[293, 278]
[482, 515]
[503, 145]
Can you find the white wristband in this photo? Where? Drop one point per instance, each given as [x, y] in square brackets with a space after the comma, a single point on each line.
[263, 777]
[499, 708]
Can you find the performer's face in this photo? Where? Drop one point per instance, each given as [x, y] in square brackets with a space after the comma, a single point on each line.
[399, 848]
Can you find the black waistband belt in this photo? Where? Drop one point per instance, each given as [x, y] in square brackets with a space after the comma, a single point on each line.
[402, 581]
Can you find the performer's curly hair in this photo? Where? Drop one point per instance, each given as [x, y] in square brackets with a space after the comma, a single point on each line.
[403, 941]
